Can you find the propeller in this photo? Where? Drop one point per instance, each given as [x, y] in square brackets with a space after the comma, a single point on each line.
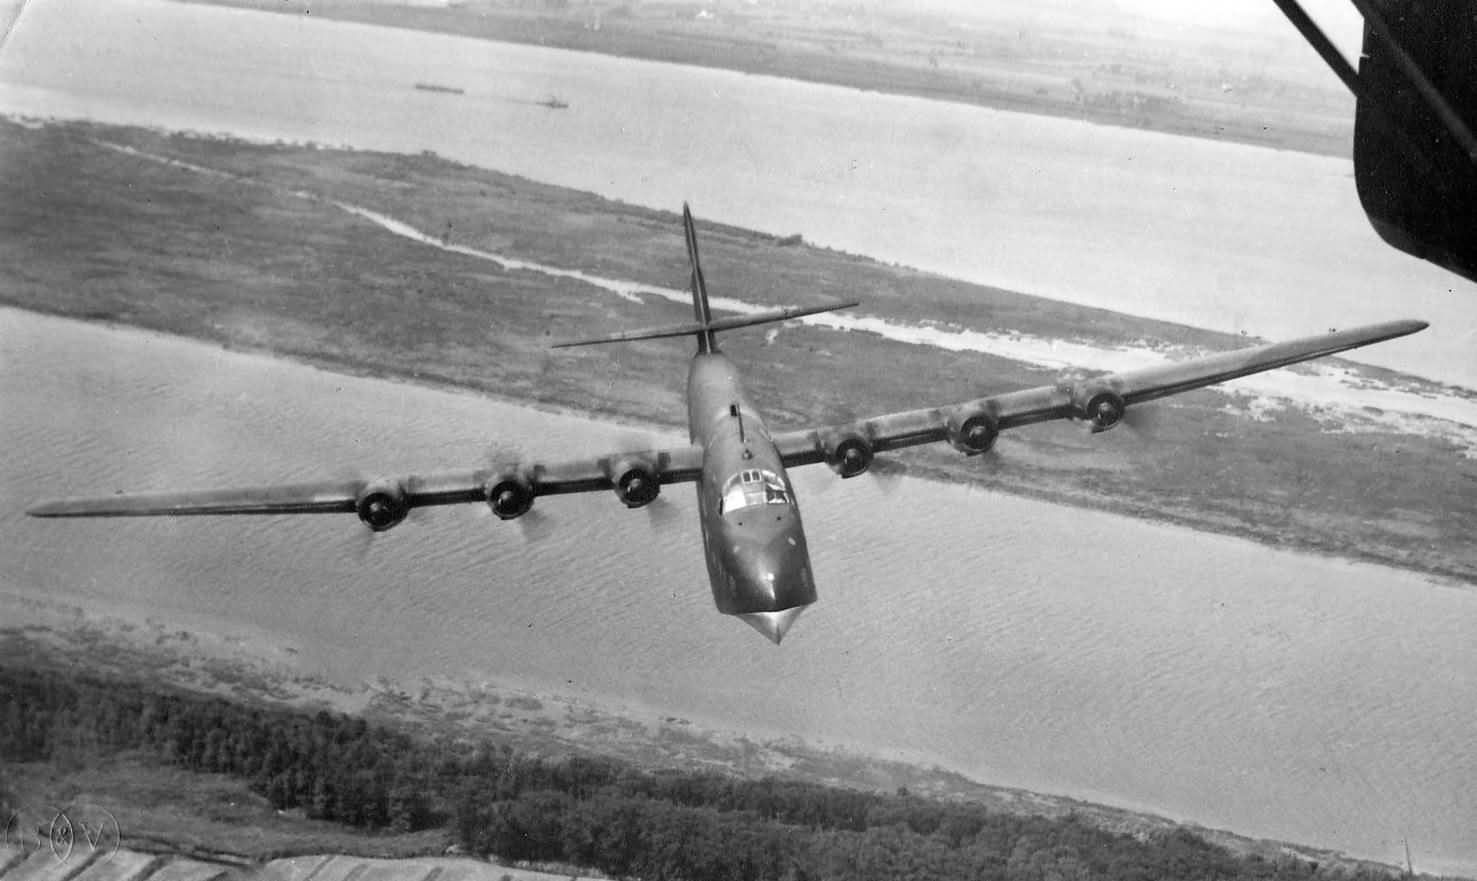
[360, 542]
[888, 473]
[661, 514]
[533, 526]
[885, 472]
[634, 440]
[1144, 420]
[361, 539]
[989, 460]
[536, 526]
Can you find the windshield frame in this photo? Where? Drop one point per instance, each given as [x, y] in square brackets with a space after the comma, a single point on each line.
[753, 488]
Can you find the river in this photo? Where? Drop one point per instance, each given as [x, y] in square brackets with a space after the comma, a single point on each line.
[1211, 234]
[1204, 677]
[1022, 643]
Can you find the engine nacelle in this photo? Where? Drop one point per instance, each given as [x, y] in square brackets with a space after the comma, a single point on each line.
[636, 482]
[510, 495]
[972, 431]
[382, 505]
[1102, 407]
[848, 453]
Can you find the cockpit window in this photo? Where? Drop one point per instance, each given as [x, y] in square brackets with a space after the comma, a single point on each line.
[753, 486]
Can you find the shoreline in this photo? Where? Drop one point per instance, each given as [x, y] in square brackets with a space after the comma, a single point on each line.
[914, 470]
[167, 346]
[764, 43]
[546, 722]
[346, 361]
[323, 283]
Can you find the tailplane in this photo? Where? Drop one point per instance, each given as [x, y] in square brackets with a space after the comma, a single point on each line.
[705, 325]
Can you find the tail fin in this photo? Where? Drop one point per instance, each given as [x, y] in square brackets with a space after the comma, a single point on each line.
[700, 310]
[705, 326]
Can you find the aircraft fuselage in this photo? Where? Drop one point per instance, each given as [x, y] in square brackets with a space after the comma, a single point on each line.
[753, 540]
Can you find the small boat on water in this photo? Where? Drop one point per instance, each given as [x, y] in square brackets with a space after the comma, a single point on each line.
[553, 102]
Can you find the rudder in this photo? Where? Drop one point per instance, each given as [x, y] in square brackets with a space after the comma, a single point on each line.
[700, 310]
[705, 326]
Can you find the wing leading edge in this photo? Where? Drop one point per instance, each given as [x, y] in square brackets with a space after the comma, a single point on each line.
[636, 477]
[972, 426]
[302, 498]
[385, 501]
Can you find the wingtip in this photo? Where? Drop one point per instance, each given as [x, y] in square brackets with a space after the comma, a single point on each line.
[1389, 330]
[1406, 327]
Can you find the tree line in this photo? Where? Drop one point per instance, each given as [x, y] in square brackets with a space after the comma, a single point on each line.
[593, 812]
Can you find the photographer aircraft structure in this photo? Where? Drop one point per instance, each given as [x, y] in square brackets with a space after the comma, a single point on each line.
[757, 558]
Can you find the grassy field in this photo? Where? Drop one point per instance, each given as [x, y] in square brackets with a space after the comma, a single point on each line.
[1215, 84]
[161, 806]
[254, 254]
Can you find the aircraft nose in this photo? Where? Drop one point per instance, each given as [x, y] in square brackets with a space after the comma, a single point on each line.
[762, 574]
[774, 625]
[779, 586]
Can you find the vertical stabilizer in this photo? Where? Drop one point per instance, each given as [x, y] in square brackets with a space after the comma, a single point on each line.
[705, 327]
[705, 341]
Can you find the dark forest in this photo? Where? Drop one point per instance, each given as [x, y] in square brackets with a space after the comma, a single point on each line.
[590, 812]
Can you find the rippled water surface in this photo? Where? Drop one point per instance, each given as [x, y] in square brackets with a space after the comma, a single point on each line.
[1025, 644]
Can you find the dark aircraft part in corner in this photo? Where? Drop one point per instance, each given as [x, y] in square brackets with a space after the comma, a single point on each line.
[636, 482]
[972, 431]
[382, 505]
[1414, 165]
[1102, 408]
[848, 454]
[510, 495]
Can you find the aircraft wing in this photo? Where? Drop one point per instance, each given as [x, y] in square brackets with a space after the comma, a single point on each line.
[381, 503]
[972, 426]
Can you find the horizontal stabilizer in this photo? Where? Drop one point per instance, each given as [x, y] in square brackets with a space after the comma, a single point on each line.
[714, 325]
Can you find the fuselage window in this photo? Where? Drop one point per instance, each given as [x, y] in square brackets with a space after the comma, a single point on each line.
[753, 486]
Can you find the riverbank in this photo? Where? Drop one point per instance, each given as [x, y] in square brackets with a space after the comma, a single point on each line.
[255, 246]
[1221, 85]
[166, 809]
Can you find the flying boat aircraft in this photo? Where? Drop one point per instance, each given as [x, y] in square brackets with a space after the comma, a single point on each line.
[757, 558]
